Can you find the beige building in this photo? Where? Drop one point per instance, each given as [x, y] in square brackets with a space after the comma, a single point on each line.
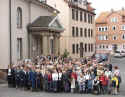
[28, 28]
[77, 17]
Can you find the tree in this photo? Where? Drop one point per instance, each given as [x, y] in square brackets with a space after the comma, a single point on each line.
[65, 54]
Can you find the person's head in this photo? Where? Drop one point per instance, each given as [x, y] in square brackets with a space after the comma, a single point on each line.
[116, 67]
[81, 75]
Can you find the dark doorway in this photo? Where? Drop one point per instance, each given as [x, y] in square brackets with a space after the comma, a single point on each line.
[114, 47]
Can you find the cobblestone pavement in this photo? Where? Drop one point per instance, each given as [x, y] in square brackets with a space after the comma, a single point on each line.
[12, 92]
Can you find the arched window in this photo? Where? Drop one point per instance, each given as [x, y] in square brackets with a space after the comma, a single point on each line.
[19, 17]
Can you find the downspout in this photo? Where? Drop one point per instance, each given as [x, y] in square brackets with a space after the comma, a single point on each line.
[10, 32]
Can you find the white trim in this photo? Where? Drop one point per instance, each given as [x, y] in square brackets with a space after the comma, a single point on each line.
[52, 21]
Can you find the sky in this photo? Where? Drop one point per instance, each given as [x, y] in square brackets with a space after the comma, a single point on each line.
[107, 5]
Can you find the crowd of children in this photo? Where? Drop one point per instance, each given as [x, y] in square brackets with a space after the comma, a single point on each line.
[56, 74]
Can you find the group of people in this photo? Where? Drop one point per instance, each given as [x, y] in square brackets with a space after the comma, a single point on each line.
[57, 74]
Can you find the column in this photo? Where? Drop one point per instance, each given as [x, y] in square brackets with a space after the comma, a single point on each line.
[45, 45]
[30, 46]
[57, 45]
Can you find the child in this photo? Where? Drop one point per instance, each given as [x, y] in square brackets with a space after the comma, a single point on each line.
[114, 85]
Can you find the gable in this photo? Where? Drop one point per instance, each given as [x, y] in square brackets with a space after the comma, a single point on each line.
[56, 24]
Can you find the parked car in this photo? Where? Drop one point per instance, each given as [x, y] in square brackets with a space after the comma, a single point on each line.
[118, 54]
[101, 57]
[123, 53]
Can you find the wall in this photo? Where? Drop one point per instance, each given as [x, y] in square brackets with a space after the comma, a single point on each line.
[64, 20]
[4, 37]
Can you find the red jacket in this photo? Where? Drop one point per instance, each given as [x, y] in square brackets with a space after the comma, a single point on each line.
[74, 75]
[49, 77]
[103, 79]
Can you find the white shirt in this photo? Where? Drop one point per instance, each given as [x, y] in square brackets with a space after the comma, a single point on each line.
[108, 73]
[87, 76]
[55, 76]
[117, 72]
[9, 71]
[60, 76]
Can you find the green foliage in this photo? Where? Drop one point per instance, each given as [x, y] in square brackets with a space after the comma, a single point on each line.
[65, 54]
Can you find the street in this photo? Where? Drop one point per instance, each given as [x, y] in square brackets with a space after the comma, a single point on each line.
[12, 92]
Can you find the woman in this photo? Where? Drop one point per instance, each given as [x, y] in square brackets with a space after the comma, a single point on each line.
[73, 81]
[81, 82]
[118, 75]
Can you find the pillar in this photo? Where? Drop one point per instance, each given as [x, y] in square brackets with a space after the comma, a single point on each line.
[45, 45]
[57, 45]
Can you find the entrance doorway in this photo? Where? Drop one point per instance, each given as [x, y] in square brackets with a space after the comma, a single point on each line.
[51, 46]
[114, 47]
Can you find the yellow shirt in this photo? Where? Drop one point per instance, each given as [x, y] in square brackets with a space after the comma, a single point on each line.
[115, 79]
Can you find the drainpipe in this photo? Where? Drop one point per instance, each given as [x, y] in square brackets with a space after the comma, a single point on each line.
[10, 32]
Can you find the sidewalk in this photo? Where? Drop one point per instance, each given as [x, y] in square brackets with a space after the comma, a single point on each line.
[2, 81]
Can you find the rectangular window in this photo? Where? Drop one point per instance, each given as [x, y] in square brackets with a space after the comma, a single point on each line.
[77, 48]
[91, 19]
[77, 32]
[81, 32]
[19, 49]
[73, 48]
[81, 17]
[85, 17]
[73, 14]
[77, 15]
[88, 18]
[92, 48]
[85, 47]
[85, 32]
[73, 31]
[123, 27]
[91, 33]
[89, 47]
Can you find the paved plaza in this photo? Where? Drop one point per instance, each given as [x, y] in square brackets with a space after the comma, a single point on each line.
[12, 92]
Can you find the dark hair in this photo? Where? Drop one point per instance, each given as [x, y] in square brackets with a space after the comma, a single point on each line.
[116, 67]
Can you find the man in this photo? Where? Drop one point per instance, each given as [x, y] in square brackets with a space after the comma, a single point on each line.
[32, 77]
[55, 80]
[9, 77]
[22, 77]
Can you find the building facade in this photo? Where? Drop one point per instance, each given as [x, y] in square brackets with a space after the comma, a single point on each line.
[28, 28]
[77, 17]
[110, 31]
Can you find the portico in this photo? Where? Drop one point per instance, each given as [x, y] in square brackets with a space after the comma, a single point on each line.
[44, 36]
